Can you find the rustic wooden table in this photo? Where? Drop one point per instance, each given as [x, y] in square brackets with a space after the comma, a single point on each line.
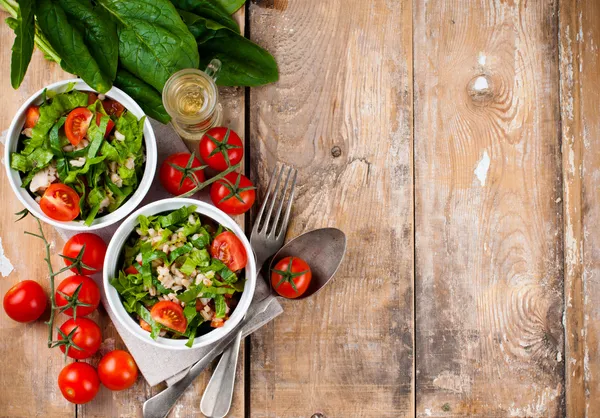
[457, 143]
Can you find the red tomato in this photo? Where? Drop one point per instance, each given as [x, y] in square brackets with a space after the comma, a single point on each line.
[25, 302]
[87, 336]
[109, 125]
[77, 124]
[145, 326]
[220, 145]
[290, 277]
[131, 270]
[112, 107]
[234, 194]
[32, 116]
[170, 315]
[228, 248]
[78, 382]
[117, 370]
[60, 202]
[170, 177]
[93, 256]
[92, 97]
[89, 293]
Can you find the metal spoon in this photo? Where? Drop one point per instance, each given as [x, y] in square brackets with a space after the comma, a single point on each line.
[323, 249]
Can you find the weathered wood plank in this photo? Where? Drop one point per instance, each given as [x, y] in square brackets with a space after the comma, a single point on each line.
[341, 113]
[580, 101]
[488, 274]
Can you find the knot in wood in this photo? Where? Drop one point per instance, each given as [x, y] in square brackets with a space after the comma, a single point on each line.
[336, 151]
[481, 90]
[318, 415]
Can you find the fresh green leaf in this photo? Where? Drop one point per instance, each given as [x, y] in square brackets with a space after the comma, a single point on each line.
[208, 9]
[220, 306]
[22, 50]
[153, 41]
[55, 143]
[144, 94]
[19, 162]
[176, 216]
[145, 315]
[69, 43]
[231, 5]
[83, 170]
[95, 135]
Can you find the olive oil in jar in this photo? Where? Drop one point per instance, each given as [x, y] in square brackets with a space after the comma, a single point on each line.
[191, 98]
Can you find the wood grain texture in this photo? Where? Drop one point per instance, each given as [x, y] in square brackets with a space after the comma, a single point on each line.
[488, 274]
[341, 114]
[580, 100]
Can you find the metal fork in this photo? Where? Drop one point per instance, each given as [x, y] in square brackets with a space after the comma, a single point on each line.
[266, 239]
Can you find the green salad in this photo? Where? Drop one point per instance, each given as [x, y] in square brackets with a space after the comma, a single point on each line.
[181, 274]
[80, 155]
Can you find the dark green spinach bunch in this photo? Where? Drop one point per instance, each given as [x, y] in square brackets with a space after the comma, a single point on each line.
[136, 44]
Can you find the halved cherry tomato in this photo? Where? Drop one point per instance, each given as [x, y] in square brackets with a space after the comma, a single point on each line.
[217, 322]
[86, 335]
[228, 248]
[32, 116]
[220, 145]
[131, 270]
[290, 277]
[60, 202]
[25, 302]
[78, 382]
[92, 97]
[170, 177]
[233, 194]
[93, 256]
[89, 293]
[117, 370]
[112, 107]
[109, 125]
[170, 315]
[145, 326]
[77, 124]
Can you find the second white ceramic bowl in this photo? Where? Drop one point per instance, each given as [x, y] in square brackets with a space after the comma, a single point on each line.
[111, 269]
[12, 140]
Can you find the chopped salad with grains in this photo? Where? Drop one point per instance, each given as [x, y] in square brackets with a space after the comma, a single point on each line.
[182, 274]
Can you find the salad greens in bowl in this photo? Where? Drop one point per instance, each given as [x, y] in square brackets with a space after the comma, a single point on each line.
[79, 160]
[179, 273]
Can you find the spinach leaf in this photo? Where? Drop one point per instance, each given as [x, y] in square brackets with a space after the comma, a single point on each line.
[24, 27]
[144, 94]
[243, 62]
[145, 315]
[153, 41]
[99, 33]
[231, 5]
[220, 306]
[55, 144]
[210, 10]
[69, 43]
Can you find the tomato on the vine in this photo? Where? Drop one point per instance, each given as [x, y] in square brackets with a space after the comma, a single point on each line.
[117, 370]
[60, 202]
[228, 248]
[77, 124]
[221, 148]
[169, 314]
[25, 302]
[177, 167]
[234, 194]
[88, 294]
[78, 382]
[93, 255]
[81, 332]
[291, 277]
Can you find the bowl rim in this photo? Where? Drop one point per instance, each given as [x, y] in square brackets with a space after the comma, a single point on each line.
[110, 268]
[29, 202]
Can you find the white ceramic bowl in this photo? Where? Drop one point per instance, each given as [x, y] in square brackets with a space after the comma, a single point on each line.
[12, 138]
[111, 270]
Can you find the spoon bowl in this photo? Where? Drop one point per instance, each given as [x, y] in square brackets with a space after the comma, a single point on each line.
[323, 249]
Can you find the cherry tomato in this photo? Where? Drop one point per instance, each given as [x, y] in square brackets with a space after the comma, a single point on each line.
[170, 177]
[60, 202]
[233, 194]
[89, 293]
[170, 315]
[145, 326]
[219, 145]
[109, 125]
[77, 124]
[78, 382]
[117, 370]
[131, 270]
[290, 277]
[228, 248]
[87, 336]
[32, 116]
[92, 97]
[93, 256]
[217, 322]
[25, 302]
[112, 107]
